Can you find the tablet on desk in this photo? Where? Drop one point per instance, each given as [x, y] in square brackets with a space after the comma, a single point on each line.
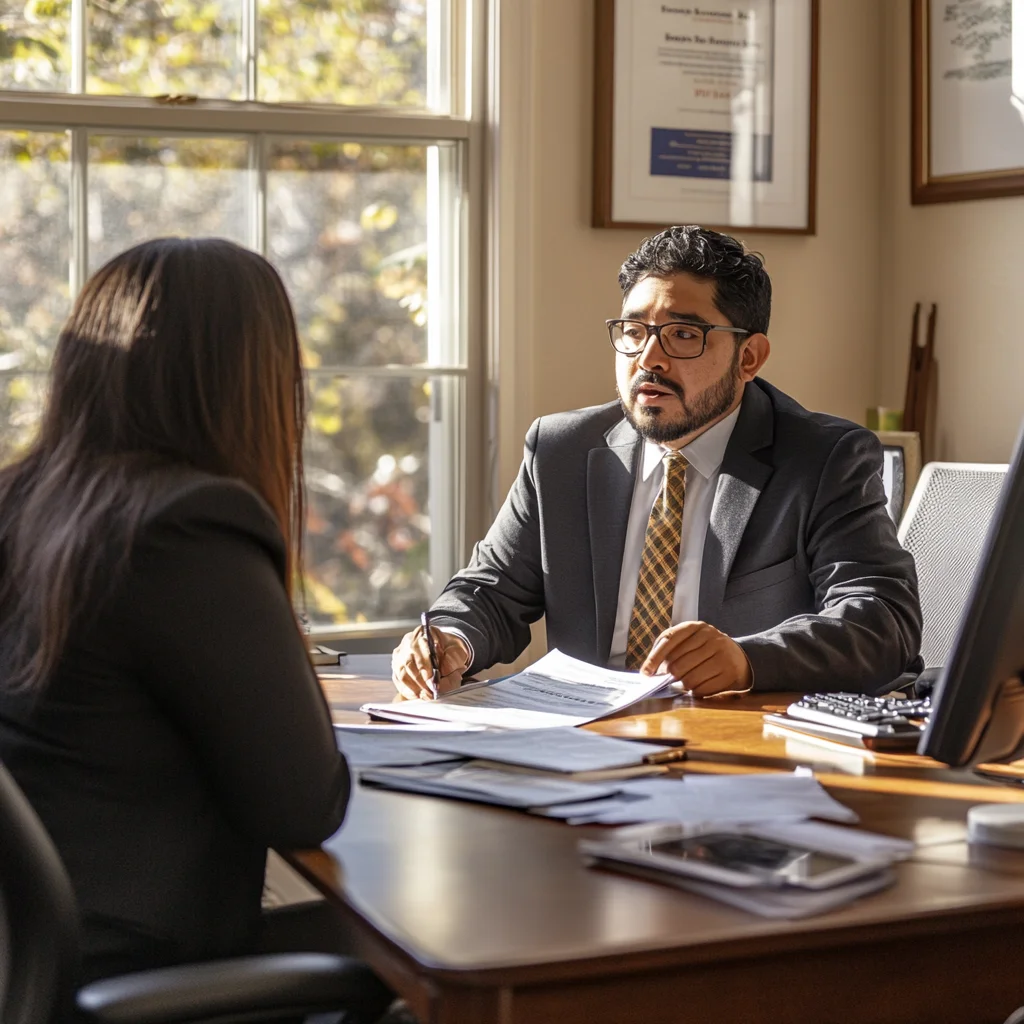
[736, 857]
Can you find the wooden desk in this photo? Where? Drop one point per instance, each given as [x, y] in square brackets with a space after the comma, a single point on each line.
[476, 914]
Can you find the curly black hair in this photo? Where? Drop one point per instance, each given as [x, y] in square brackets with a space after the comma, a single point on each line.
[743, 289]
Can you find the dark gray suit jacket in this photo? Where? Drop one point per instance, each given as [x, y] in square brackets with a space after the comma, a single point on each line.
[801, 563]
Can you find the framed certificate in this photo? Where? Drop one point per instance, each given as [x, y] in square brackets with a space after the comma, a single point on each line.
[706, 112]
[968, 100]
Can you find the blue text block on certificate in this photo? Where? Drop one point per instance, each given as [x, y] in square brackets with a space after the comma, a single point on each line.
[691, 153]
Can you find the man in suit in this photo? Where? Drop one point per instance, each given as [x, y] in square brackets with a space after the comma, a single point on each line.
[704, 525]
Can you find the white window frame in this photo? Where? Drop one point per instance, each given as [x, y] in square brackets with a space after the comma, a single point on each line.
[457, 359]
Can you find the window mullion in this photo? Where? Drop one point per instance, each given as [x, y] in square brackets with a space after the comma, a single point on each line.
[439, 56]
[250, 42]
[257, 198]
[79, 45]
[79, 210]
[132, 113]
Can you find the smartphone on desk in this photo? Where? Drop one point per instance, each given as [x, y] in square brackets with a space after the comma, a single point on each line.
[736, 857]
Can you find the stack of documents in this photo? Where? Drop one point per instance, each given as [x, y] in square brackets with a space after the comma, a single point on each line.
[556, 690]
[693, 799]
[528, 769]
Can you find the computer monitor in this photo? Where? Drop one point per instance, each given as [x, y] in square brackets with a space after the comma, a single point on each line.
[894, 480]
[901, 466]
[978, 703]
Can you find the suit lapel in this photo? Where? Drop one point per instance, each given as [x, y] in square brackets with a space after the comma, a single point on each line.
[610, 474]
[740, 484]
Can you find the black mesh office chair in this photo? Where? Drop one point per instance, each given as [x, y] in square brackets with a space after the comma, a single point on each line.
[39, 955]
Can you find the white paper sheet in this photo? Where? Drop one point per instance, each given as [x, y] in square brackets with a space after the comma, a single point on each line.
[485, 785]
[420, 727]
[555, 691]
[710, 799]
[555, 750]
[835, 839]
[388, 749]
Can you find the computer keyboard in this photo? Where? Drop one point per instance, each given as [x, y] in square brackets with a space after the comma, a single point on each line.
[866, 716]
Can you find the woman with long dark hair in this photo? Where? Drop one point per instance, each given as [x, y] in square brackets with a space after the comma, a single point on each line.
[157, 703]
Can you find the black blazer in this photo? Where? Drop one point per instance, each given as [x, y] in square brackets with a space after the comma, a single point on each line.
[183, 733]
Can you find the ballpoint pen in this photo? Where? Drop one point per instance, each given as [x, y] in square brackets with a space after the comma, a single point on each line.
[435, 683]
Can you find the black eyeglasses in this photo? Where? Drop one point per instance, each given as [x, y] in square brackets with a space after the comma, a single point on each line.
[679, 339]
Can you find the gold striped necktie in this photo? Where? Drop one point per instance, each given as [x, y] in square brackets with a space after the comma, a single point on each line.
[659, 564]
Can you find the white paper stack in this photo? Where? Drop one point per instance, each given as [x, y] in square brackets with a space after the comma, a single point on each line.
[693, 800]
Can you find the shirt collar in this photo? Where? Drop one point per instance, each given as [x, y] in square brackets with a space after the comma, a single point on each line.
[704, 453]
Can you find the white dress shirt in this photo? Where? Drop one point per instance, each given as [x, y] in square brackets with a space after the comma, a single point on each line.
[704, 457]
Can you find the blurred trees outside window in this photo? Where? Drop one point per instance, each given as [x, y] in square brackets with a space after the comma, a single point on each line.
[357, 218]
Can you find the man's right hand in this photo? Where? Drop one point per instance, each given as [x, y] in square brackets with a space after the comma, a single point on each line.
[410, 663]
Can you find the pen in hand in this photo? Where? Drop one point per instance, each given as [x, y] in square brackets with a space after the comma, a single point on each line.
[435, 682]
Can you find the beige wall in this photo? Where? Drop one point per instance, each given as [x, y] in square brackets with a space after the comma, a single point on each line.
[827, 287]
[966, 257]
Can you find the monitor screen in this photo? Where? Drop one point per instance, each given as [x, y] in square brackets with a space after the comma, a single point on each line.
[978, 704]
[894, 476]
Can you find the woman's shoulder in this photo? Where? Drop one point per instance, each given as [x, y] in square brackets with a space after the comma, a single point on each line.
[188, 501]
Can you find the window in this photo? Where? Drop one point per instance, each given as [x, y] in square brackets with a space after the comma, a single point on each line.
[337, 138]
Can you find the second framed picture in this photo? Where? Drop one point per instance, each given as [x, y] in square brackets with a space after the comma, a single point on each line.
[706, 112]
[967, 100]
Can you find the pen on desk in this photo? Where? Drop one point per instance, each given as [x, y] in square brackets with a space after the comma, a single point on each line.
[435, 683]
[664, 756]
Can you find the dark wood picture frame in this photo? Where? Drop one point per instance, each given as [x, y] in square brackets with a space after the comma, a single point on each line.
[924, 187]
[604, 99]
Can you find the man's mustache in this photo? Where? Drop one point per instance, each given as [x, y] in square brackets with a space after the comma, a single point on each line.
[647, 377]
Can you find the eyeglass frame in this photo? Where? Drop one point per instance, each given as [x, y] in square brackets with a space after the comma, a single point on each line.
[656, 330]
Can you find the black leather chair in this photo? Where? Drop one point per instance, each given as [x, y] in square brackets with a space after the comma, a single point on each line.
[39, 950]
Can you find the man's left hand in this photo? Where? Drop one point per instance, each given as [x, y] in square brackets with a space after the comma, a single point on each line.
[702, 658]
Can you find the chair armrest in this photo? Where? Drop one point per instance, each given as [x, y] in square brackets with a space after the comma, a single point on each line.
[294, 983]
[901, 684]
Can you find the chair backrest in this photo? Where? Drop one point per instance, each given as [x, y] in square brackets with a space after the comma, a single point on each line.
[944, 529]
[39, 924]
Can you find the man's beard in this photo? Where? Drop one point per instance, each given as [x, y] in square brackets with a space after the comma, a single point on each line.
[660, 426]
